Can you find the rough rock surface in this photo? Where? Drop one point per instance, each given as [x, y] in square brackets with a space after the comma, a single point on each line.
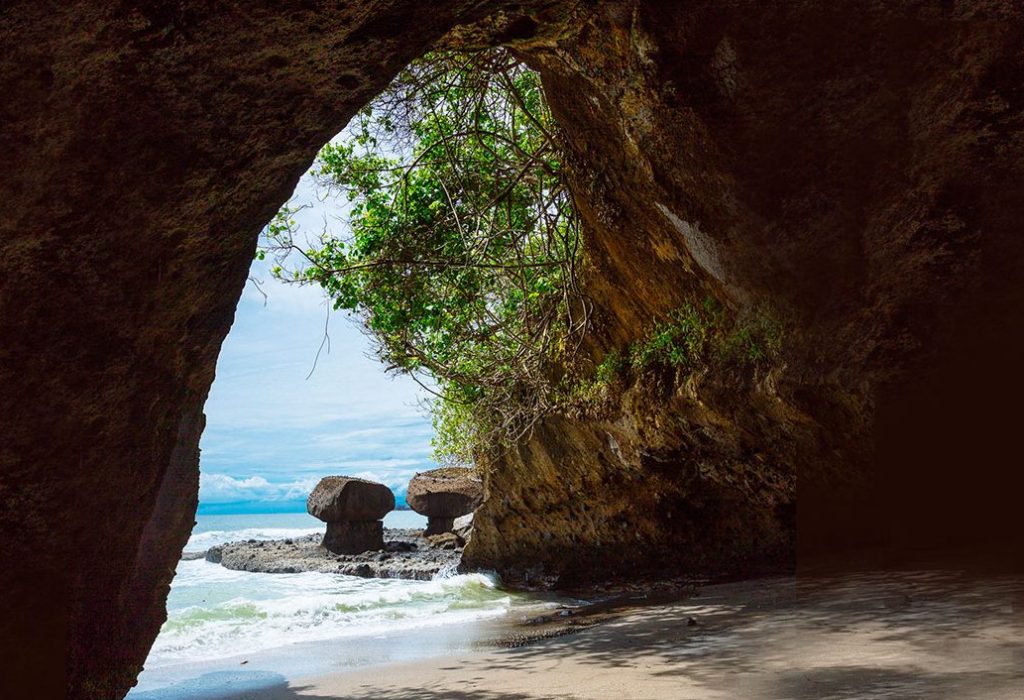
[143, 146]
[352, 509]
[856, 164]
[406, 554]
[354, 536]
[859, 169]
[443, 495]
[463, 527]
[341, 498]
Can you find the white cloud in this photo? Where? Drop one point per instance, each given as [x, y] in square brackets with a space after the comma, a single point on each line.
[223, 488]
[397, 481]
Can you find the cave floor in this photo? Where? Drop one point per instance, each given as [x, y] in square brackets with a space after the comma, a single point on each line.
[916, 634]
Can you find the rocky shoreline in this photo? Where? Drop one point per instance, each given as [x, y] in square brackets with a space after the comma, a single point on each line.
[407, 554]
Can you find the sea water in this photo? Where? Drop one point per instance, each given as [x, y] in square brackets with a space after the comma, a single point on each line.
[219, 620]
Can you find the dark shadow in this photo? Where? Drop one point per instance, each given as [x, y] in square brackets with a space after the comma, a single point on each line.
[867, 683]
[913, 634]
[751, 629]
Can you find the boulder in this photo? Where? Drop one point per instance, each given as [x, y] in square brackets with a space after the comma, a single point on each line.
[345, 498]
[352, 509]
[354, 536]
[463, 527]
[446, 540]
[443, 495]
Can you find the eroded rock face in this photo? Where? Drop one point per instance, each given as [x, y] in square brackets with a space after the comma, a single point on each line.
[340, 498]
[406, 554]
[354, 536]
[444, 495]
[143, 146]
[352, 509]
[857, 165]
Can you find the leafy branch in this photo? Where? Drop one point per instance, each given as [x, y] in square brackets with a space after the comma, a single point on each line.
[461, 249]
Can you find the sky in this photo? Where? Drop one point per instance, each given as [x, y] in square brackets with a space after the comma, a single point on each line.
[271, 433]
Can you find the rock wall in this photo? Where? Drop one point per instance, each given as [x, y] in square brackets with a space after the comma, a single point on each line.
[858, 168]
[143, 145]
[854, 164]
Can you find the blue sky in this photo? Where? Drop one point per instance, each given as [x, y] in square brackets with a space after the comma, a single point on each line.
[271, 434]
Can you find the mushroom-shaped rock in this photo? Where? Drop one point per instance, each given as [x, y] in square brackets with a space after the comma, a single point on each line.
[352, 509]
[338, 498]
[443, 495]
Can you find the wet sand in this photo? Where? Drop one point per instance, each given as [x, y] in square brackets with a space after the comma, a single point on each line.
[926, 634]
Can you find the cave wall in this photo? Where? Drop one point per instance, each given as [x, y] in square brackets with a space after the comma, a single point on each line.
[143, 145]
[857, 165]
[857, 168]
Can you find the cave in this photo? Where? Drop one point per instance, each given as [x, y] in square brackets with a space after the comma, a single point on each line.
[858, 165]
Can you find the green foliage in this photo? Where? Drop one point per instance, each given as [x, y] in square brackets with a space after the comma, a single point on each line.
[691, 338]
[696, 336]
[462, 244]
[755, 341]
[460, 256]
[456, 432]
[610, 369]
[684, 340]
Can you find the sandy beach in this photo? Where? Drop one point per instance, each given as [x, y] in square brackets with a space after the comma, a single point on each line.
[926, 634]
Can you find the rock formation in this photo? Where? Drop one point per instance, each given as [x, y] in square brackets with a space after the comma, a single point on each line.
[857, 169]
[353, 510]
[143, 147]
[856, 166]
[406, 554]
[443, 495]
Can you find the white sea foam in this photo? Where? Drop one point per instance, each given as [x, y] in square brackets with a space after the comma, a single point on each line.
[218, 617]
[214, 612]
[202, 541]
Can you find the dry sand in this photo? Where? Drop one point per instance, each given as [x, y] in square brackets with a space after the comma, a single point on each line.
[910, 635]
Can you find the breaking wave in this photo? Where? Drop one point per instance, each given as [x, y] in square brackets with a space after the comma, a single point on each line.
[214, 612]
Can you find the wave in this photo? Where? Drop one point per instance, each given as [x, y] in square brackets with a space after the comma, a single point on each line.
[202, 541]
[214, 612]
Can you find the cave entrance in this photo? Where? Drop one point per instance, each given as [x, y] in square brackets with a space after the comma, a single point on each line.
[179, 129]
[438, 222]
[298, 396]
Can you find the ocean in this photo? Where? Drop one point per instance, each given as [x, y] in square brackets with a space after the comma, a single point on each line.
[238, 627]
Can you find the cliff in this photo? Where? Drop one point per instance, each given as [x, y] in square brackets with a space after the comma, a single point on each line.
[858, 172]
[855, 167]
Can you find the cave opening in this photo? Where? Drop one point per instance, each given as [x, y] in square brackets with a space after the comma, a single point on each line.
[867, 173]
[298, 396]
[438, 216]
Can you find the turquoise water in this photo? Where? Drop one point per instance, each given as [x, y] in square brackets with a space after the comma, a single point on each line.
[284, 624]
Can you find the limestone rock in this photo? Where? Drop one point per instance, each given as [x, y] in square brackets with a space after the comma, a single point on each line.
[345, 498]
[407, 554]
[445, 540]
[352, 509]
[866, 176]
[463, 527]
[354, 536]
[443, 495]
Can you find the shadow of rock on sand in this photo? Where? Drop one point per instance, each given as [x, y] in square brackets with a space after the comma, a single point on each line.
[900, 636]
[870, 683]
[926, 634]
[307, 692]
